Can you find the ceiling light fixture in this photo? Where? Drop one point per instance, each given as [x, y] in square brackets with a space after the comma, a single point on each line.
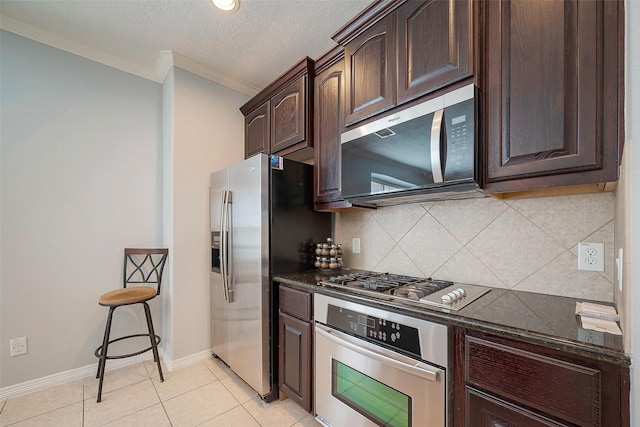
[227, 5]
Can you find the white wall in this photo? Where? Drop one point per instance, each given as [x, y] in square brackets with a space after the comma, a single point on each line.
[93, 160]
[207, 134]
[80, 180]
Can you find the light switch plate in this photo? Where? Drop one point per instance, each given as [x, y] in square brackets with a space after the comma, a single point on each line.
[591, 256]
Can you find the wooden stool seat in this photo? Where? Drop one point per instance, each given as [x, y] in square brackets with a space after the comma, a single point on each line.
[127, 296]
[142, 267]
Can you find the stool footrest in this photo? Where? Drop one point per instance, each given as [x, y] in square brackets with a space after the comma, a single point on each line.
[98, 352]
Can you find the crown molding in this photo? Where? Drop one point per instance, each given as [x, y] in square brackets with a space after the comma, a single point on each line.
[34, 33]
[163, 65]
[166, 58]
[206, 72]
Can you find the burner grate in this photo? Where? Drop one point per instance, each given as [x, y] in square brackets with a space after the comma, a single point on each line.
[392, 284]
[408, 290]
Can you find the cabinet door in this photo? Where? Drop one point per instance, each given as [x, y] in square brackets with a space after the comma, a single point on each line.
[329, 96]
[502, 382]
[434, 46]
[370, 71]
[256, 131]
[295, 360]
[544, 78]
[288, 115]
[487, 411]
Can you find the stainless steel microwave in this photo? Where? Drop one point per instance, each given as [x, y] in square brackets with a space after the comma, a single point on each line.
[426, 152]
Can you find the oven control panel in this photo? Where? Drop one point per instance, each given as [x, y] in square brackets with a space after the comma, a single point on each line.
[390, 334]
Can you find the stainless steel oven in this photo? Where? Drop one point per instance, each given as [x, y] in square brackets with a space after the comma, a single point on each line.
[379, 368]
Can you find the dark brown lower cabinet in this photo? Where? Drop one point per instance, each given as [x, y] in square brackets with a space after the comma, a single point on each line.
[295, 346]
[501, 382]
[488, 411]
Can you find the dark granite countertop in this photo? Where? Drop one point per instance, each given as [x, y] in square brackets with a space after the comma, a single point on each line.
[546, 320]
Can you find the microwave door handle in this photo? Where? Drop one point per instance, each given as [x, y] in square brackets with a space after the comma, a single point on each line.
[412, 369]
[436, 143]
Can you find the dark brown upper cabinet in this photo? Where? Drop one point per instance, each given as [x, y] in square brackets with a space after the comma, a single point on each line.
[552, 84]
[277, 120]
[370, 71]
[256, 131]
[397, 51]
[289, 118]
[434, 46]
[328, 89]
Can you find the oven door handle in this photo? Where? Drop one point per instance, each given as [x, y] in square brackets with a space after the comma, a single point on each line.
[417, 369]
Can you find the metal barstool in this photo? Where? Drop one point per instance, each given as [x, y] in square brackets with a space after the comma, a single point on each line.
[142, 267]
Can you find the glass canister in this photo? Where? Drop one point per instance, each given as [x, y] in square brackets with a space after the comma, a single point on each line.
[324, 263]
[333, 264]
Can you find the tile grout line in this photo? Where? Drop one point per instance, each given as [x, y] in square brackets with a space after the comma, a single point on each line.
[44, 413]
[164, 409]
[149, 378]
[83, 399]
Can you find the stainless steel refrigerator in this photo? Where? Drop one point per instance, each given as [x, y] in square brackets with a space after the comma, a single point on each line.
[262, 224]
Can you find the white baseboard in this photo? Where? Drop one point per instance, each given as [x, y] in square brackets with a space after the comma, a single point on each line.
[71, 375]
[90, 370]
[188, 361]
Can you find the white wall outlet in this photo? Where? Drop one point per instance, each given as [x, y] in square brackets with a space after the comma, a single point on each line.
[18, 346]
[591, 256]
[619, 266]
[355, 245]
[590, 336]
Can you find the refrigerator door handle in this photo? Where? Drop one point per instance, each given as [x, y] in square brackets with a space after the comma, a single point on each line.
[223, 244]
[229, 260]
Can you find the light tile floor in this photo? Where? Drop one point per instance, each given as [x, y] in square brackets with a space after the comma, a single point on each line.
[205, 394]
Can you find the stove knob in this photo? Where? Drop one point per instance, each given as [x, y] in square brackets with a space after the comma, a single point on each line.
[446, 299]
[461, 291]
[453, 296]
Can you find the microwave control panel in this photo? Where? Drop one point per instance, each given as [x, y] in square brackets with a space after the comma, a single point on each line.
[460, 137]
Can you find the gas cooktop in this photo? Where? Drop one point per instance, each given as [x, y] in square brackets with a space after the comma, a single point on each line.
[408, 290]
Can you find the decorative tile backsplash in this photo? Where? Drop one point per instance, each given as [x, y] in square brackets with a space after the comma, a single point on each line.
[527, 244]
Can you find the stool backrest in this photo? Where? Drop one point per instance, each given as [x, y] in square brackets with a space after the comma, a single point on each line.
[144, 266]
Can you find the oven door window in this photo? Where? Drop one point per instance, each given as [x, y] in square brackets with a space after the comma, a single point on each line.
[380, 403]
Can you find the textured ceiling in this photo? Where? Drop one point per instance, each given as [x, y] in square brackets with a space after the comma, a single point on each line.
[248, 48]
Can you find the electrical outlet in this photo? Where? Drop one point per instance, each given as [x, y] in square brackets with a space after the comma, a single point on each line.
[620, 266]
[18, 346]
[591, 256]
[590, 336]
[355, 245]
